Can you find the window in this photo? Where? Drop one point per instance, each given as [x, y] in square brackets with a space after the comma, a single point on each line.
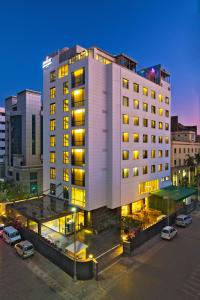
[125, 119]
[135, 104]
[145, 91]
[78, 177]
[160, 153]
[125, 83]
[65, 88]
[153, 109]
[66, 175]
[166, 153]
[179, 150]
[65, 192]
[160, 125]
[52, 92]
[153, 153]
[78, 78]
[78, 197]
[52, 173]
[65, 140]
[153, 168]
[65, 157]
[78, 117]
[175, 162]
[65, 105]
[65, 122]
[167, 100]
[160, 168]
[52, 141]
[166, 113]
[78, 97]
[33, 176]
[63, 71]
[166, 167]
[125, 154]
[53, 76]
[166, 126]
[136, 121]
[145, 106]
[52, 157]
[148, 186]
[136, 154]
[125, 137]
[160, 98]
[52, 108]
[153, 124]
[125, 101]
[78, 157]
[160, 139]
[166, 140]
[145, 154]
[145, 138]
[78, 137]
[136, 87]
[102, 59]
[125, 173]
[136, 138]
[52, 125]
[136, 171]
[160, 112]
[153, 139]
[144, 170]
[145, 122]
[174, 150]
[17, 176]
[153, 94]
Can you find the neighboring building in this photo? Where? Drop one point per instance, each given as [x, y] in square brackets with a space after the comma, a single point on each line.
[2, 142]
[184, 142]
[23, 159]
[106, 132]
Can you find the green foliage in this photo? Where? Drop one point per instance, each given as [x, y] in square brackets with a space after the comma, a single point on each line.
[12, 192]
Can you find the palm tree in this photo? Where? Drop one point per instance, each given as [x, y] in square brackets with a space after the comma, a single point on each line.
[190, 163]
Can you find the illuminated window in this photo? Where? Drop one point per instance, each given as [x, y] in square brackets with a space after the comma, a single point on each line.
[125, 154]
[65, 192]
[52, 157]
[78, 197]
[65, 105]
[145, 154]
[153, 109]
[125, 173]
[135, 104]
[145, 91]
[166, 153]
[145, 138]
[153, 94]
[153, 153]
[102, 59]
[145, 122]
[62, 71]
[160, 98]
[167, 100]
[145, 170]
[136, 121]
[78, 157]
[78, 117]
[160, 139]
[166, 167]
[52, 108]
[166, 113]
[160, 112]
[136, 87]
[65, 88]
[125, 119]
[52, 173]
[78, 97]
[65, 122]
[166, 140]
[153, 168]
[160, 125]
[145, 106]
[66, 174]
[153, 124]
[65, 140]
[52, 141]
[136, 171]
[52, 125]
[153, 139]
[125, 101]
[166, 126]
[52, 92]
[160, 168]
[148, 186]
[78, 78]
[65, 157]
[125, 83]
[136, 154]
[136, 138]
[125, 137]
[160, 153]
[78, 177]
[52, 76]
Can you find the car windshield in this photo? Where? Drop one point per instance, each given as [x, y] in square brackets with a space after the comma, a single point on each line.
[165, 231]
[27, 248]
[179, 219]
[13, 234]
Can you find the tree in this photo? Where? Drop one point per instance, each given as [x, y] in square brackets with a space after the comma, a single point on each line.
[190, 163]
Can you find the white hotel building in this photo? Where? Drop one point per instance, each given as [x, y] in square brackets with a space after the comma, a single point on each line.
[2, 142]
[106, 131]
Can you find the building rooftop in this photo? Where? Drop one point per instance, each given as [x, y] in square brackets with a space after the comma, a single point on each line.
[175, 193]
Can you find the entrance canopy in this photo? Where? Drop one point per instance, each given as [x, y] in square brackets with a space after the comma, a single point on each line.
[175, 193]
[79, 247]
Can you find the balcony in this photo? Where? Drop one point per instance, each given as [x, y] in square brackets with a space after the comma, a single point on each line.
[78, 142]
[75, 123]
[77, 103]
[78, 182]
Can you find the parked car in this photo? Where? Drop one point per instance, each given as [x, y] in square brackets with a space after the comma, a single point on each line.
[24, 249]
[183, 220]
[1, 229]
[168, 232]
[11, 235]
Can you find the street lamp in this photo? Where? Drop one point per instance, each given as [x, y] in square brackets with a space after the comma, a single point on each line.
[75, 272]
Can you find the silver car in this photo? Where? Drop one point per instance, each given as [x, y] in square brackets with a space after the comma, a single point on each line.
[183, 220]
[24, 249]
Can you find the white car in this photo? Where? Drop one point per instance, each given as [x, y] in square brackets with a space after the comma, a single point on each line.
[24, 249]
[183, 220]
[11, 235]
[168, 232]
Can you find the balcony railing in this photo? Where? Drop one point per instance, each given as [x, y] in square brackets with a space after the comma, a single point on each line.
[76, 142]
[78, 182]
[77, 162]
[78, 103]
[77, 123]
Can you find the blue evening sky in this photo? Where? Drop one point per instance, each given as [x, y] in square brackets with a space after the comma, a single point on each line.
[151, 31]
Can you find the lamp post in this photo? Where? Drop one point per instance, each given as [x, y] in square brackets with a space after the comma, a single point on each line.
[75, 272]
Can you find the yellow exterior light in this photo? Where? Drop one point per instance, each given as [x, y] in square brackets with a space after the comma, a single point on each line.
[91, 256]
